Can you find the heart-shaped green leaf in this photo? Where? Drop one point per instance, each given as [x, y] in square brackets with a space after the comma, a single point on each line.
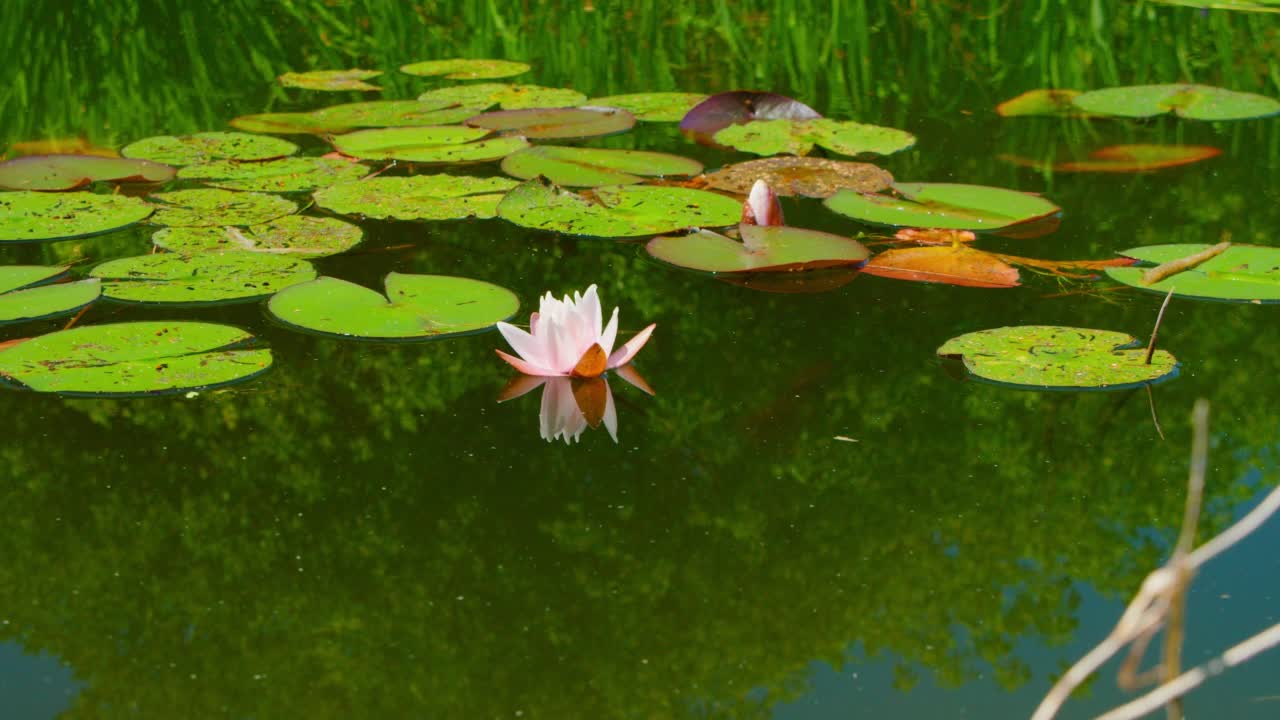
[418, 197]
[1242, 273]
[299, 174]
[1194, 102]
[466, 68]
[1046, 357]
[27, 215]
[72, 172]
[207, 146]
[592, 167]
[443, 144]
[299, 235]
[616, 210]
[508, 97]
[762, 249]
[797, 137]
[136, 358]
[200, 278]
[653, 107]
[416, 307]
[208, 207]
[557, 123]
[943, 205]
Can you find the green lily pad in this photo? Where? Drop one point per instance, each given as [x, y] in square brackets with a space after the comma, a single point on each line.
[207, 146]
[207, 207]
[616, 210]
[440, 145]
[137, 358]
[199, 278]
[508, 97]
[943, 205]
[1261, 6]
[1046, 357]
[553, 123]
[72, 172]
[797, 137]
[591, 167]
[1194, 102]
[19, 301]
[330, 80]
[286, 123]
[299, 235]
[466, 69]
[802, 176]
[390, 113]
[417, 197]
[27, 215]
[1042, 102]
[653, 107]
[416, 307]
[1241, 273]
[775, 248]
[298, 174]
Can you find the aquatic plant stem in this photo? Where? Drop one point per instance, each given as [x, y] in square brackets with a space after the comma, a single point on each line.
[1155, 331]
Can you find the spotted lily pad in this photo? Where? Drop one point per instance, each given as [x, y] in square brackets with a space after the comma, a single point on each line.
[724, 109]
[417, 197]
[72, 172]
[806, 177]
[298, 235]
[1242, 273]
[200, 278]
[591, 167]
[943, 205]
[1125, 158]
[440, 145]
[330, 80]
[19, 300]
[134, 359]
[1041, 102]
[27, 215]
[208, 207]
[762, 249]
[416, 307]
[653, 107]
[466, 69]
[1194, 102]
[207, 146]
[1047, 357]
[797, 137]
[508, 97]
[554, 123]
[287, 123]
[390, 113]
[297, 174]
[616, 210]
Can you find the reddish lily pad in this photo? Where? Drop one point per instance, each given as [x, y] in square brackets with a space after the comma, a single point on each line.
[800, 176]
[440, 145]
[951, 265]
[943, 205]
[1126, 158]
[592, 167]
[653, 107]
[548, 123]
[1193, 102]
[508, 97]
[466, 69]
[330, 80]
[775, 248]
[72, 172]
[721, 110]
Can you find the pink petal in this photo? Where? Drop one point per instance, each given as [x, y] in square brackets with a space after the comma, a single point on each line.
[610, 334]
[591, 312]
[533, 324]
[559, 415]
[610, 413]
[762, 206]
[527, 368]
[624, 354]
[526, 346]
[519, 386]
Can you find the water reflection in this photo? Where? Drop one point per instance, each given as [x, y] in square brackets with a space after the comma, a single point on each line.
[571, 405]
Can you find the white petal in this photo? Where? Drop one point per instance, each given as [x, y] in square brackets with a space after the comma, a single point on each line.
[610, 413]
[610, 334]
[590, 310]
[624, 354]
[532, 349]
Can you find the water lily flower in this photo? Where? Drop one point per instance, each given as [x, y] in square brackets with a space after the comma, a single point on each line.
[570, 405]
[762, 206]
[565, 338]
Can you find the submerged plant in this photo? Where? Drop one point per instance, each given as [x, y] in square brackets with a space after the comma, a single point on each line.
[565, 338]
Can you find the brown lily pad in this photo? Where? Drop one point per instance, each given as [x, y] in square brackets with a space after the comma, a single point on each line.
[801, 176]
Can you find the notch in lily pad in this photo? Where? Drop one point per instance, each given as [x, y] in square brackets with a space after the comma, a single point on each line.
[1048, 357]
[208, 146]
[593, 167]
[28, 215]
[200, 278]
[761, 248]
[737, 107]
[331, 80]
[416, 307]
[432, 145]
[616, 211]
[23, 297]
[556, 123]
[57, 173]
[417, 197]
[131, 359]
[466, 68]
[944, 205]
[1192, 102]
[1239, 273]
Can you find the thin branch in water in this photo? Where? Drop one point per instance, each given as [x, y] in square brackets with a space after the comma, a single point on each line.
[1155, 416]
[1155, 331]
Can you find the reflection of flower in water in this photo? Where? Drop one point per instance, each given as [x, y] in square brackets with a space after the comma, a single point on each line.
[571, 405]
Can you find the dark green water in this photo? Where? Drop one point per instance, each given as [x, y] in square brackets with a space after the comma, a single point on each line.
[365, 532]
